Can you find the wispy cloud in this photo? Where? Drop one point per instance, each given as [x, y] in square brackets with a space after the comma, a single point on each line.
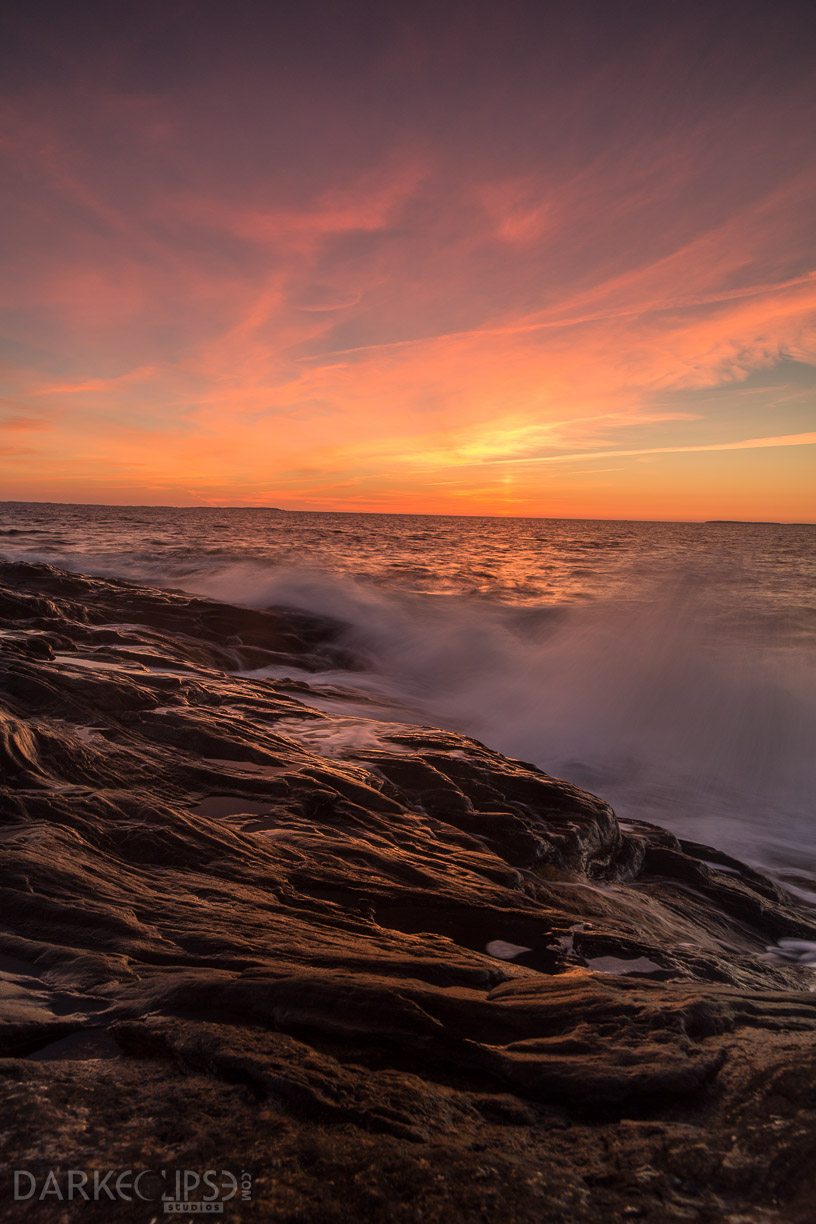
[805, 439]
[341, 283]
[99, 385]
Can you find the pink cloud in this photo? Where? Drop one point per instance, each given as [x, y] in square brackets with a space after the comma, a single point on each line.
[420, 300]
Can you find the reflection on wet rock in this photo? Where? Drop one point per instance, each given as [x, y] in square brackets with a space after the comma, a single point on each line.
[369, 943]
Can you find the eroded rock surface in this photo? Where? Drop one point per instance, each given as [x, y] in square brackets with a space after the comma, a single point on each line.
[395, 975]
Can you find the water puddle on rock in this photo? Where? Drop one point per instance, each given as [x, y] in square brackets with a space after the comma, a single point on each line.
[217, 806]
[616, 965]
[261, 771]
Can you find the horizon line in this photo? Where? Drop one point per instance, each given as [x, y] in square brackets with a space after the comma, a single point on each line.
[556, 518]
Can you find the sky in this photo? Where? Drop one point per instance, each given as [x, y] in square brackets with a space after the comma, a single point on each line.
[519, 259]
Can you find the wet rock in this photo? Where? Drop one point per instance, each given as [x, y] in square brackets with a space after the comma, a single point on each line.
[200, 909]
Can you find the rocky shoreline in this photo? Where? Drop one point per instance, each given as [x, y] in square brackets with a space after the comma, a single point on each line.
[388, 972]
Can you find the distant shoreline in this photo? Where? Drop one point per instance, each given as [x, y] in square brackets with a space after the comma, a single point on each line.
[547, 518]
[752, 523]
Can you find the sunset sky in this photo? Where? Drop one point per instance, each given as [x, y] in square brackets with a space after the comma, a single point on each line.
[548, 258]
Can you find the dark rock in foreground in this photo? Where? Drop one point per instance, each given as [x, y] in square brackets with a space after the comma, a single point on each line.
[390, 973]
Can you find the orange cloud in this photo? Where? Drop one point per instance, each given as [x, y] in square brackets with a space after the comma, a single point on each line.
[100, 384]
[806, 439]
[24, 424]
[223, 312]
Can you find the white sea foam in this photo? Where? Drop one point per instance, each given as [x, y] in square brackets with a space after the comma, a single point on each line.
[670, 668]
[800, 951]
[709, 735]
[339, 737]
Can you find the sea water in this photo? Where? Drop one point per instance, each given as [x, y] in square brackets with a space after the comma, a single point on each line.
[668, 667]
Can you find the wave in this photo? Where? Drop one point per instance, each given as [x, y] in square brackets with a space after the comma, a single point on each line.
[667, 704]
[667, 701]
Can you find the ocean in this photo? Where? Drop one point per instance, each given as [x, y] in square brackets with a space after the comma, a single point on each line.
[667, 667]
